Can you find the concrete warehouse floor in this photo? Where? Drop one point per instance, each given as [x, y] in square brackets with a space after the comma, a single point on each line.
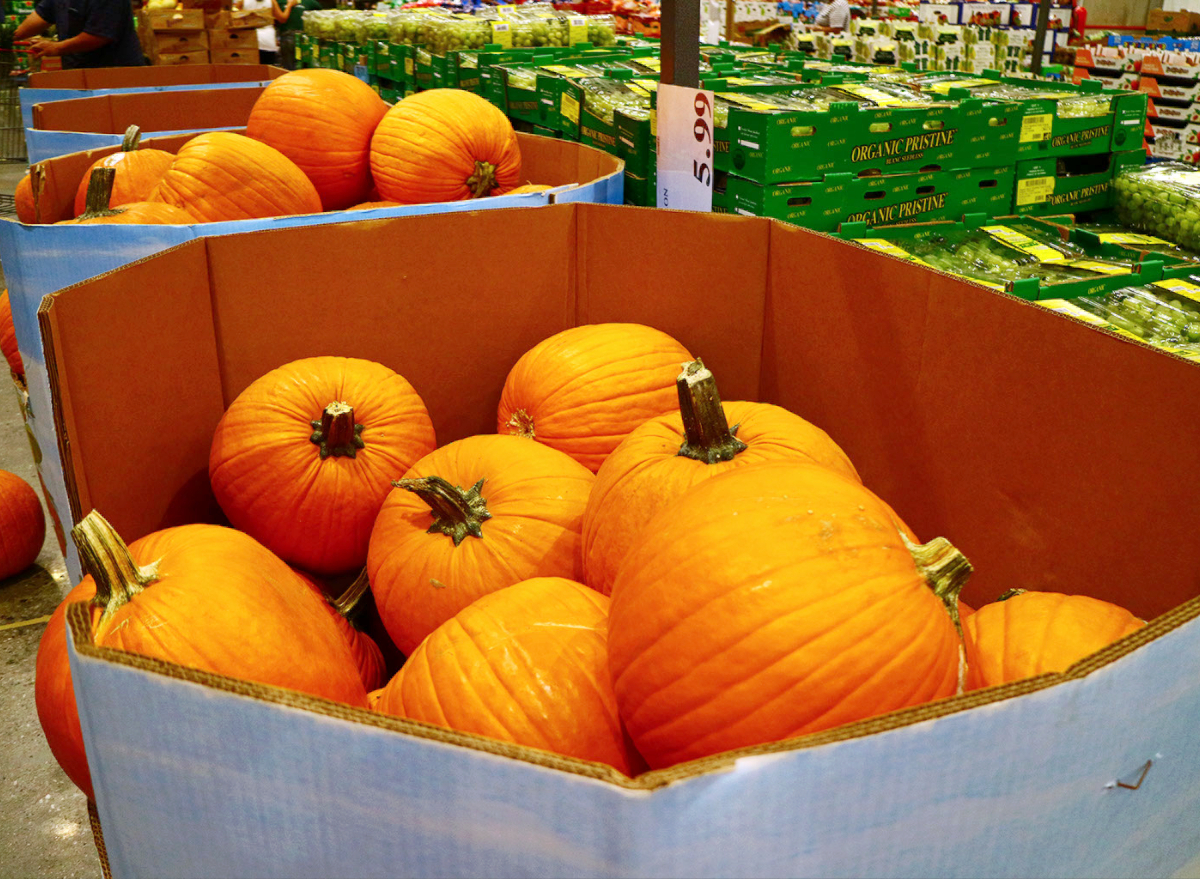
[44, 831]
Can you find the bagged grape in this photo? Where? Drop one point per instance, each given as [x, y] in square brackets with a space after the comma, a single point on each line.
[1163, 199]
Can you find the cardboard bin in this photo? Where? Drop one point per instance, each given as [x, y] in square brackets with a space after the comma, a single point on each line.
[1054, 455]
[41, 259]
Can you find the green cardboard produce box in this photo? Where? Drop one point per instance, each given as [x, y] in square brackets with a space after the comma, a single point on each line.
[1058, 185]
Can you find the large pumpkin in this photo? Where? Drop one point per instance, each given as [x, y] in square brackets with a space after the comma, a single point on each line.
[776, 600]
[23, 201]
[527, 664]
[323, 121]
[1030, 633]
[474, 516]
[148, 213]
[582, 391]
[8, 337]
[201, 596]
[667, 455]
[304, 457]
[225, 176]
[444, 145]
[138, 172]
[344, 610]
[22, 524]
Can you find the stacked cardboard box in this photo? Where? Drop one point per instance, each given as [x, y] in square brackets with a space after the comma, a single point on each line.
[198, 34]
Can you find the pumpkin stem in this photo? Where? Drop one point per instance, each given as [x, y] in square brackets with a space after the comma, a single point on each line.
[105, 556]
[707, 435]
[133, 135]
[944, 568]
[1011, 593]
[456, 513]
[353, 603]
[99, 192]
[483, 181]
[520, 423]
[336, 433]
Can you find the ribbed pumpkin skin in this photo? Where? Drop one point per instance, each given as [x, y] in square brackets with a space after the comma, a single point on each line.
[323, 121]
[224, 176]
[371, 205]
[368, 658]
[149, 213]
[23, 199]
[527, 664]
[1038, 632]
[222, 603]
[426, 148]
[22, 524]
[268, 475]
[646, 473]
[582, 391]
[536, 497]
[8, 337]
[772, 601]
[528, 187]
[138, 172]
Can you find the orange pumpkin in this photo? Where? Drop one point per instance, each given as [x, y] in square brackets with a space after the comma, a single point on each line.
[202, 596]
[444, 145]
[527, 664]
[528, 187]
[1023, 634]
[664, 457]
[23, 200]
[582, 391]
[221, 176]
[22, 524]
[149, 213]
[470, 518]
[371, 205]
[323, 121]
[138, 172]
[776, 600]
[304, 457]
[367, 655]
[8, 337]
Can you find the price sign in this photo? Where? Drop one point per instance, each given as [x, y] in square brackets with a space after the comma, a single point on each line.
[686, 148]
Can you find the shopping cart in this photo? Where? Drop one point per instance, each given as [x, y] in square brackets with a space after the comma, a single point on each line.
[14, 72]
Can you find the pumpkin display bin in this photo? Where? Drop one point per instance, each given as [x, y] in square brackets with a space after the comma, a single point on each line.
[974, 416]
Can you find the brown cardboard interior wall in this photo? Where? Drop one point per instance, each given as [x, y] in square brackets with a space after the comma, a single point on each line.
[133, 77]
[1056, 457]
[552, 162]
[151, 111]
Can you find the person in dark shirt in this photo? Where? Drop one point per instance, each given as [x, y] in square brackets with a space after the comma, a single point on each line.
[91, 33]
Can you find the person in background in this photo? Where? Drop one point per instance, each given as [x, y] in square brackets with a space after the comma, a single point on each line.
[834, 16]
[91, 33]
[291, 21]
[268, 43]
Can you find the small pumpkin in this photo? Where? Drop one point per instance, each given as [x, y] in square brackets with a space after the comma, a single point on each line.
[304, 457]
[667, 455]
[468, 519]
[22, 524]
[371, 205]
[323, 121]
[527, 664]
[8, 338]
[444, 145]
[202, 596]
[772, 601]
[220, 176]
[136, 212]
[137, 173]
[1023, 634]
[582, 391]
[23, 200]
[527, 187]
[345, 609]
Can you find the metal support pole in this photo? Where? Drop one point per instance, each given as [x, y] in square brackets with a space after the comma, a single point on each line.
[1039, 38]
[681, 42]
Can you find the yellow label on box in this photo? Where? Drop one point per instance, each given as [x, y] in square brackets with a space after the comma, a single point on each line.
[1035, 190]
[1100, 268]
[650, 85]
[1043, 253]
[502, 34]
[577, 30]
[876, 96]
[943, 88]
[570, 108]
[637, 89]
[564, 71]
[1186, 289]
[1036, 128]
[1062, 306]
[409, 66]
[654, 122]
[746, 101]
[651, 63]
[882, 245]
[1130, 238]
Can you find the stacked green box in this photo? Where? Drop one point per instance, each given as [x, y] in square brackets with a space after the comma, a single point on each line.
[1070, 185]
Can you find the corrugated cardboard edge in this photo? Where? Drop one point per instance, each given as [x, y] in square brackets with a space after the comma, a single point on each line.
[79, 622]
[98, 838]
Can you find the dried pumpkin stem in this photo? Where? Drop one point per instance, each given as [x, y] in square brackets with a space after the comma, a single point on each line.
[353, 603]
[707, 435]
[133, 135]
[336, 433]
[944, 568]
[483, 181]
[520, 423]
[99, 193]
[105, 556]
[1011, 593]
[456, 513]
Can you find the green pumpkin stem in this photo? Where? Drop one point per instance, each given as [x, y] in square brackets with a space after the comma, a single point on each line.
[707, 435]
[99, 193]
[105, 556]
[944, 568]
[336, 433]
[456, 513]
[133, 135]
[483, 181]
[1011, 593]
[353, 603]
